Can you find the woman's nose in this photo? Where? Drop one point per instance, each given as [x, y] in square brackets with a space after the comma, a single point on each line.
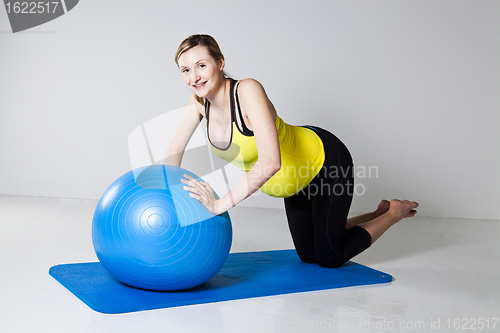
[195, 76]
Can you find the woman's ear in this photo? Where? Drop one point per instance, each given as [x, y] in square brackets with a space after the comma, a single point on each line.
[222, 63]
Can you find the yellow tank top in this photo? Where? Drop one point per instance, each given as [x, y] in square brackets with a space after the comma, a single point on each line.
[302, 153]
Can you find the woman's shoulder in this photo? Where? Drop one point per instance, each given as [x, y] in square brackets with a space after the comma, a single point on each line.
[250, 87]
[252, 96]
[249, 84]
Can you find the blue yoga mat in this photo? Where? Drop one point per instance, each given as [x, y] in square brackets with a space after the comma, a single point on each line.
[244, 275]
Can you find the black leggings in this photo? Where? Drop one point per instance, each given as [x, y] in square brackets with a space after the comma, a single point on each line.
[317, 215]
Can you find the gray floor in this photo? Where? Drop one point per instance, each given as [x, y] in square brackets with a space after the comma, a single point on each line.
[446, 272]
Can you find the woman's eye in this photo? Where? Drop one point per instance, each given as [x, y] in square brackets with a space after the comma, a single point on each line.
[201, 65]
[185, 70]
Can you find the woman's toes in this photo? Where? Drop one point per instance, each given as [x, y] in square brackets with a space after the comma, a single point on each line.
[403, 208]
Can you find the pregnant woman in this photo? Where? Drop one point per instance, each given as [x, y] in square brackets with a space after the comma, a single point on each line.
[306, 165]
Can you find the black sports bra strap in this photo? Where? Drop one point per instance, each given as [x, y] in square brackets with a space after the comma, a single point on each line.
[231, 100]
[207, 108]
[245, 129]
[232, 92]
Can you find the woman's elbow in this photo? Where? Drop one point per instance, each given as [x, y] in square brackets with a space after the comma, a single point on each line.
[269, 166]
[273, 167]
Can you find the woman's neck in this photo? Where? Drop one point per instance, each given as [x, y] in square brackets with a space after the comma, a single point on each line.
[220, 100]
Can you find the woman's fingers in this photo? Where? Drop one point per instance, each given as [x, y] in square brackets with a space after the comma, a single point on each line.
[196, 186]
[197, 197]
[199, 190]
[202, 192]
[191, 182]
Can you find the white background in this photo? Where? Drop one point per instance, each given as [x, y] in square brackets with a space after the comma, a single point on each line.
[411, 87]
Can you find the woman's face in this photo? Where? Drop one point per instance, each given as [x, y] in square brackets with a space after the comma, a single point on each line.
[200, 71]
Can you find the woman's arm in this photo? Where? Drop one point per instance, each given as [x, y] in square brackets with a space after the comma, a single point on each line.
[261, 116]
[189, 122]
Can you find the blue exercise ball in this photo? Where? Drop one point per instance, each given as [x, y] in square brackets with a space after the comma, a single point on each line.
[149, 233]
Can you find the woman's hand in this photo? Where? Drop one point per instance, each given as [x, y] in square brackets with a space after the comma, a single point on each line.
[202, 192]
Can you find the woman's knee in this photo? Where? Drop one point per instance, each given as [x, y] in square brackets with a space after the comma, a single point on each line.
[330, 262]
[307, 257]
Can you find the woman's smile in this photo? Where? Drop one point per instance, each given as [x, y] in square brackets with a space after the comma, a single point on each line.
[199, 85]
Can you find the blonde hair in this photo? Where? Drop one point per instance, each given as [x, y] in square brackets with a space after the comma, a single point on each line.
[202, 40]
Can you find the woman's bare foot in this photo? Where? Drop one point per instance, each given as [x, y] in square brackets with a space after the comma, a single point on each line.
[398, 210]
[401, 209]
